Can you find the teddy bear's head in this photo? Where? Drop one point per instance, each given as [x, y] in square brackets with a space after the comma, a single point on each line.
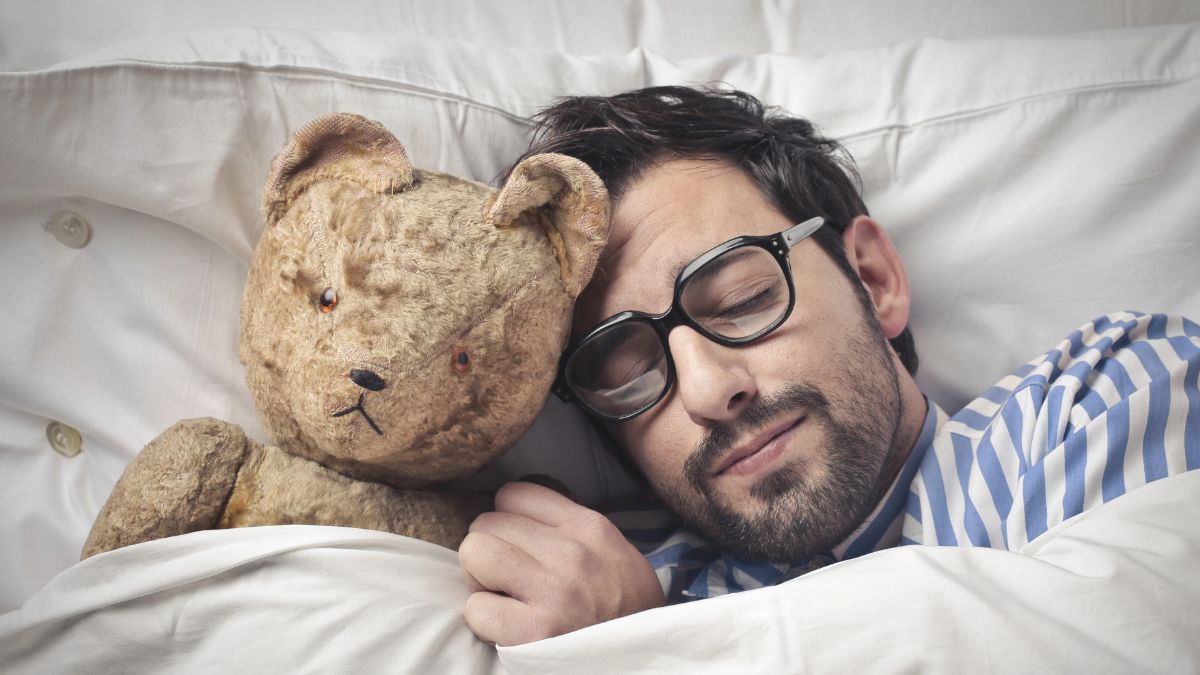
[402, 325]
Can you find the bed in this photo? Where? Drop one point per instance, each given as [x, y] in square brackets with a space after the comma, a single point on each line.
[1036, 163]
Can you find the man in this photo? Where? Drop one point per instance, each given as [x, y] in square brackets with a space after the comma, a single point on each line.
[745, 342]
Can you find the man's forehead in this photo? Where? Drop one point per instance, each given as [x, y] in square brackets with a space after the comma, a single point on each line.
[673, 185]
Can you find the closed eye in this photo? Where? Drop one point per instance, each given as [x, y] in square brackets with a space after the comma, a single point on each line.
[751, 304]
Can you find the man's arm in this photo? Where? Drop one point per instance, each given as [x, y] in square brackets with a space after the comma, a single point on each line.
[542, 565]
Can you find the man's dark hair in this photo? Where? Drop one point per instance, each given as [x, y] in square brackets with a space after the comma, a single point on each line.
[801, 172]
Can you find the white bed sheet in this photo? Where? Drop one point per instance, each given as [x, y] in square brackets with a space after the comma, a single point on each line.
[1113, 590]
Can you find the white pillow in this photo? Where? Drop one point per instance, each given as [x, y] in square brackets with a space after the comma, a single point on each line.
[1030, 184]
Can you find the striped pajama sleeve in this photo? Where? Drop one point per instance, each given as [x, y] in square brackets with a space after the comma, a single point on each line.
[1114, 406]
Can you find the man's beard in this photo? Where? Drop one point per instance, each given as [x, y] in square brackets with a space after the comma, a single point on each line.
[801, 509]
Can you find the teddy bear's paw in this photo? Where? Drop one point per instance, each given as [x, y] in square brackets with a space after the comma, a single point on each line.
[178, 483]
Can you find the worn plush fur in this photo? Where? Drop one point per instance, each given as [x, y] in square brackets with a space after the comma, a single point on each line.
[426, 267]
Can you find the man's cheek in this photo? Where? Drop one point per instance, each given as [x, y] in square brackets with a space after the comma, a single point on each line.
[646, 448]
[663, 475]
[664, 471]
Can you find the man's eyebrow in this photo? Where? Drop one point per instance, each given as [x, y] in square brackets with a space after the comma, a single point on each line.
[671, 272]
[713, 266]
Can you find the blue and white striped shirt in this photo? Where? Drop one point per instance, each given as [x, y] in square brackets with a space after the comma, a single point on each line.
[1114, 406]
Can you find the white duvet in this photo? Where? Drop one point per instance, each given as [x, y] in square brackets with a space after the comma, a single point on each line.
[1113, 590]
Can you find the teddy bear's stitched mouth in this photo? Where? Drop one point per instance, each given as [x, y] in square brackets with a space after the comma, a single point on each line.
[359, 407]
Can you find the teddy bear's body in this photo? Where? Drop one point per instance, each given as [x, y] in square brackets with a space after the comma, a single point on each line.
[205, 473]
[400, 329]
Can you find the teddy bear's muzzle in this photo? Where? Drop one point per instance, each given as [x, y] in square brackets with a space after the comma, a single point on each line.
[359, 408]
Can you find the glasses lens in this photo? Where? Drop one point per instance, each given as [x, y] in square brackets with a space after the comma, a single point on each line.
[620, 370]
[737, 294]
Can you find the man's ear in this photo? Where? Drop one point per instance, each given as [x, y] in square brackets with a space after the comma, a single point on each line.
[569, 200]
[339, 146]
[874, 258]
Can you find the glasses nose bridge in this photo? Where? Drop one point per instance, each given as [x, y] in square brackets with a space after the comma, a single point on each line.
[668, 321]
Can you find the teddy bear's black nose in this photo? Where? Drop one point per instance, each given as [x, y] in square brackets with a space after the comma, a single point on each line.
[367, 380]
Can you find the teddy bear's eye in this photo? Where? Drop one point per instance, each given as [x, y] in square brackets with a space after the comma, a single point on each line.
[461, 360]
[328, 300]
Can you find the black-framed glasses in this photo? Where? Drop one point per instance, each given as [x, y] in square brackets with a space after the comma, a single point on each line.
[735, 293]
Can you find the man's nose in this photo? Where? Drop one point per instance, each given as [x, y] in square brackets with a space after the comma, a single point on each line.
[714, 384]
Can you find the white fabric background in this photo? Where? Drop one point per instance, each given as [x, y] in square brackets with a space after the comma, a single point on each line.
[39, 35]
[1030, 182]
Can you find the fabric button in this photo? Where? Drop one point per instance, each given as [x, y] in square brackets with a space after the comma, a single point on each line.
[65, 440]
[70, 228]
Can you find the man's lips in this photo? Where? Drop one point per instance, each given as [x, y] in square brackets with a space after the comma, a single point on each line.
[747, 457]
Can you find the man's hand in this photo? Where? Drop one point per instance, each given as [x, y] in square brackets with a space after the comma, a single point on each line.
[542, 565]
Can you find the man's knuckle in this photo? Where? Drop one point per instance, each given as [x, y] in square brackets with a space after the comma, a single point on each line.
[510, 493]
[574, 553]
[596, 525]
[479, 523]
[504, 491]
[471, 549]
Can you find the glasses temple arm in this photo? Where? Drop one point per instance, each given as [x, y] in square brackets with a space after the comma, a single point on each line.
[794, 235]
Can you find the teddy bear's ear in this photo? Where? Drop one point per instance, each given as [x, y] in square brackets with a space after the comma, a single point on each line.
[575, 202]
[339, 146]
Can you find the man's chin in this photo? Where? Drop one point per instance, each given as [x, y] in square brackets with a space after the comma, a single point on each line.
[776, 519]
[777, 484]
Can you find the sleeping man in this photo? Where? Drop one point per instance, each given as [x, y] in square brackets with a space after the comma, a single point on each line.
[745, 341]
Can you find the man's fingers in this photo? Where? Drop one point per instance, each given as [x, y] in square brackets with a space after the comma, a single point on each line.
[499, 565]
[515, 529]
[500, 619]
[537, 539]
[472, 583]
[537, 502]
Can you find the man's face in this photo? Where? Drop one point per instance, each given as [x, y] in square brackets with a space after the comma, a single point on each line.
[776, 449]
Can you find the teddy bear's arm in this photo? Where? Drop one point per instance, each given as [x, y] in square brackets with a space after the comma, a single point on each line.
[276, 488]
[179, 483]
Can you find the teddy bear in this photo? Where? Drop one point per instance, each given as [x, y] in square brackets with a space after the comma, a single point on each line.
[400, 328]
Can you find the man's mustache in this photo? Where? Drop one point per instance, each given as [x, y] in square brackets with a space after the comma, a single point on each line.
[719, 440]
